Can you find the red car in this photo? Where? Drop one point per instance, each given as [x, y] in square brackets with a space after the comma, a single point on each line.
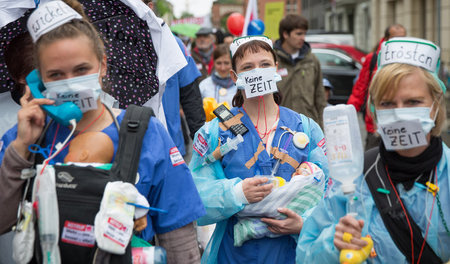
[353, 52]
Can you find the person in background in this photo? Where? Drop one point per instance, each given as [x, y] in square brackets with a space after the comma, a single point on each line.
[228, 184]
[219, 85]
[401, 193]
[328, 89]
[202, 51]
[358, 98]
[228, 38]
[19, 60]
[301, 83]
[183, 87]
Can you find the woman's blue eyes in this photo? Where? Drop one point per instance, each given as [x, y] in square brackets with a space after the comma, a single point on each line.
[54, 75]
[82, 70]
[411, 102]
[250, 67]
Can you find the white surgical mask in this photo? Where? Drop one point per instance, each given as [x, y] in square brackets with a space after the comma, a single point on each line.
[404, 128]
[422, 114]
[83, 91]
[258, 82]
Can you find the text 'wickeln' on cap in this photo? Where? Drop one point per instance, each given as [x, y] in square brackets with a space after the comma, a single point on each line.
[234, 46]
[49, 16]
[204, 31]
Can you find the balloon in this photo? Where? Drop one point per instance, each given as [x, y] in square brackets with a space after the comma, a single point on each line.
[255, 27]
[235, 24]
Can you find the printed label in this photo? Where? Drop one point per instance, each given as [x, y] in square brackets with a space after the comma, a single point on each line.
[78, 234]
[337, 131]
[323, 146]
[200, 145]
[176, 157]
[402, 135]
[116, 232]
[282, 72]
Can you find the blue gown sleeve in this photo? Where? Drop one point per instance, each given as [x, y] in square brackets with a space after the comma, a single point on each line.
[315, 244]
[6, 139]
[317, 149]
[216, 191]
[166, 182]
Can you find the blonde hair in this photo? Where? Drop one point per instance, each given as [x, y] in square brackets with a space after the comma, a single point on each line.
[386, 82]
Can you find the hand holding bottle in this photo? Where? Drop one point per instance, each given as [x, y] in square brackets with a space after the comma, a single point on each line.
[348, 224]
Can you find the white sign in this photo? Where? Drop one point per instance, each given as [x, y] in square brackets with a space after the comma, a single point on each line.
[402, 135]
[258, 82]
[84, 99]
[339, 145]
[413, 51]
[49, 16]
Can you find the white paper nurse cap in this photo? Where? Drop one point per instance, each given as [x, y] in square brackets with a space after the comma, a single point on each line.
[239, 41]
[414, 51]
[49, 16]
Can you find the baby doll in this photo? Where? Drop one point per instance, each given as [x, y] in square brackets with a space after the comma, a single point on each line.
[302, 192]
[96, 148]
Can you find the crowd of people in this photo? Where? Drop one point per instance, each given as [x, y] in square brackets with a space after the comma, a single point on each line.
[259, 174]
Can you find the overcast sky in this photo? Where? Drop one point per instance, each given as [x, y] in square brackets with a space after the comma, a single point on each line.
[196, 7]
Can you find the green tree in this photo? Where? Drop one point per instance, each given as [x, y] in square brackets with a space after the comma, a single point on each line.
[186, 14]
[163, 7]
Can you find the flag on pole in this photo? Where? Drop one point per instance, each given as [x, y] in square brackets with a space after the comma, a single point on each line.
[250, 14]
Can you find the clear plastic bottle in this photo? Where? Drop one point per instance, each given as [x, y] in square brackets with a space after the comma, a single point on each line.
[47, 209]
[344, 147]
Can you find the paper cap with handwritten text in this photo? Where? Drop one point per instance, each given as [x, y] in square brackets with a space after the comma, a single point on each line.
[242, 40]
[413, 51]
[49, 16]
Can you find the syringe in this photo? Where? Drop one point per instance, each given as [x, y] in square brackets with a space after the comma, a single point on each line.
[224, 149]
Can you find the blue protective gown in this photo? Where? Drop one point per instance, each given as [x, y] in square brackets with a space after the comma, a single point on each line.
[171, 97]
[165, 185]
[216, 182]
[316, 241]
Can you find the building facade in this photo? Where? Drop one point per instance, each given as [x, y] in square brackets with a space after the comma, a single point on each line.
[428, 19]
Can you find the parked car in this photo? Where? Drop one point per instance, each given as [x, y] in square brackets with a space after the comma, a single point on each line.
[340, 69]
[354, 52]
[335, 37]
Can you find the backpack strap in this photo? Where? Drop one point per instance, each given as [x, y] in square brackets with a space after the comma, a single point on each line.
[394, 218]
[132, 130]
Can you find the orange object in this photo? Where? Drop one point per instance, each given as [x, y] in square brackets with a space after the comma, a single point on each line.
[209, 104]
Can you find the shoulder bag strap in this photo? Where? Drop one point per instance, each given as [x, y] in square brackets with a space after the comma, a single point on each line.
[391, 212]
[132, 130]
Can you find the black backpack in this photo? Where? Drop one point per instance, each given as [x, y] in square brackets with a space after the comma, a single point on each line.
[80, 191]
